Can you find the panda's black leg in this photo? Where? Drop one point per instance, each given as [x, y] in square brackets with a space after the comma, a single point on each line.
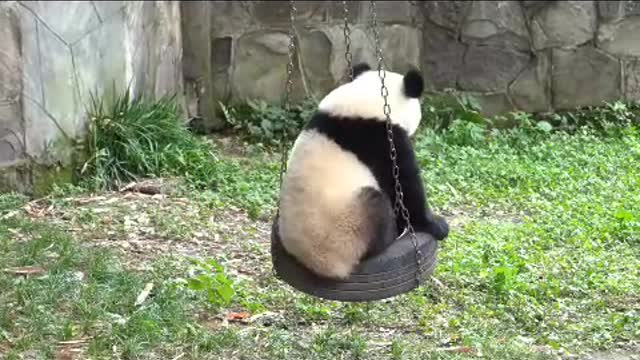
[415, 198]
[379, 214]
[421, 217]
[437, 226]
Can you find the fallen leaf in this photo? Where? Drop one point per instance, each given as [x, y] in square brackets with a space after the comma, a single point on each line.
[73, 342]
[111, 201]
[33, 210]
[459, 349]
[127, 187]
[237, 316]
[27, 270]
[9, 215]
[144, 294]
[66, 353]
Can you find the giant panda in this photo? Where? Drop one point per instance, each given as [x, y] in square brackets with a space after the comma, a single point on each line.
[337, 196]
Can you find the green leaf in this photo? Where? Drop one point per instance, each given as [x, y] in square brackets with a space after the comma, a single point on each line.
[195, 284]
[226, 291]
[624, 215]
[544, 126]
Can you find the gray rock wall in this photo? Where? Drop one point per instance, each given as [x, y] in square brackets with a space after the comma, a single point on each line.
[535, 56]
[53, 54]
[236, 51]
[11, 121]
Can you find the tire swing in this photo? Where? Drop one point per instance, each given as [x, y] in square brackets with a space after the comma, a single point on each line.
[402, 266]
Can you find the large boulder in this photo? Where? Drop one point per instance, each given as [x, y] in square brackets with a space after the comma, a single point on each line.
[493, 65]
[442, 57]
[277, 12]
[493, 104]
[490, 18]
[584, 77]
[564, 24]
[264, 79]
[316, 49]
[446, 14]
[621, 38]
[362, 49]
[530, 91]
[390, 12]
[401, 45]
[632, 80]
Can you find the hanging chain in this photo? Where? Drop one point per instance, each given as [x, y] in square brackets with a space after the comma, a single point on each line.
[347, 40]
[284, 148]
[289, 86]
[399, 205]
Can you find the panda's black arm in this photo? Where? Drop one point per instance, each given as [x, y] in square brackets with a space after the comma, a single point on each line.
[415, 198]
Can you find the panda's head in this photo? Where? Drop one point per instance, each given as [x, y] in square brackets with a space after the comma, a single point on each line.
[362, 97]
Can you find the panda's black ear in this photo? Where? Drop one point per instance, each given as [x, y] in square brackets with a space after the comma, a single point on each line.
[413, 83]
[360, 68]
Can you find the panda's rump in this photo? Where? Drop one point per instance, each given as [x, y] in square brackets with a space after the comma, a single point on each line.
[331, 208]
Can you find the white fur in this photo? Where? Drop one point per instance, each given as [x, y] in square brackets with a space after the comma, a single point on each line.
[363, 98]
[320, 215]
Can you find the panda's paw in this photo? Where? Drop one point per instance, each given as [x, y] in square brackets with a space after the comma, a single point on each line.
[439, 227]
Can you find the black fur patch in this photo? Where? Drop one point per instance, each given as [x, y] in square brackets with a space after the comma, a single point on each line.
[379, 213]
[413, 84]
[367, 139]
[360, 68]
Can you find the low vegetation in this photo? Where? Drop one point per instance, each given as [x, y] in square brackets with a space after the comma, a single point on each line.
[543, 259]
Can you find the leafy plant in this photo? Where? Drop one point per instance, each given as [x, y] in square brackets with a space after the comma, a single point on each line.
[462, 133]
[213, 281]
[264, 123]
[608, 117]
[11, 201]
[133, 138]
[442, 110]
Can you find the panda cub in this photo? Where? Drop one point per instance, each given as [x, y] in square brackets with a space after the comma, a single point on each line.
[336, 201]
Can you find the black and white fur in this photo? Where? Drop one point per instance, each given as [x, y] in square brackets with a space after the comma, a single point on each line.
[337, 195]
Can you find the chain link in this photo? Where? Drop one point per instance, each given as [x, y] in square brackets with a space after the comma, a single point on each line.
[347, 40]
[399, 203]
[289, 86]
[284, 148]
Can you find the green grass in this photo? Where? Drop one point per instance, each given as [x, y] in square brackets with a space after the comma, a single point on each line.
[82, 293]
[130, 139]
[544, 252]
[549, 253]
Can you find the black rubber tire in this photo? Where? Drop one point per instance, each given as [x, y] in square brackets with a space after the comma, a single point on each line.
[388, 274]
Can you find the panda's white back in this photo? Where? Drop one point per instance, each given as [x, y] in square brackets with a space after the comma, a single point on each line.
[321, 220]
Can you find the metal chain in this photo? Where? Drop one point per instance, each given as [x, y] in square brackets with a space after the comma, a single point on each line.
[347, 40]
[399, 205]
[284, 148]
[289, 86]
